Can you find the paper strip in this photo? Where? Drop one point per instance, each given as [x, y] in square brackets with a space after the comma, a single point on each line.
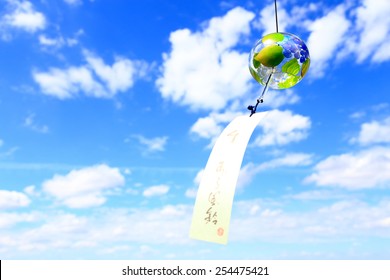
[213, 205]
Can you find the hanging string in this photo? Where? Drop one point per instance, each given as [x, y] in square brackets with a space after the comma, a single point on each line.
[260, 99]
[276, 18]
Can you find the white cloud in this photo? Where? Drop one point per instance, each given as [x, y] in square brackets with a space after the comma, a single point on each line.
[278, 127]
[290, 159]
[207, 127]
[59, 231]
[357, 115]
[9, 152]
[73, 2]
[158, 190]
[31, 190]
[202, 70]
[198, 177]
[191, 192]
[383, 52]
[278, 98]
[327, 34]
[250, 170]
[31, 123]
[24, 16]
[85, 200]
[247, 174]
[282, 127]
[46, 41]
[13, 199]
[297, 15]
[349, 218]
[59, 41]
[156, 144]
[317, 195]
[210, 127]
[173, 210]
[64, 230]
[84, 187]
[374, 132]
[120, 76]
[368, 168]
[255, 220]
[115, 249]
[266, 21]
[67, 83]
[359, 28]
[8, 219]
[95, 79]
[367, 29]
[373, 24]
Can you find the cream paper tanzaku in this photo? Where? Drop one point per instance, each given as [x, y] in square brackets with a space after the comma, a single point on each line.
[213, 205]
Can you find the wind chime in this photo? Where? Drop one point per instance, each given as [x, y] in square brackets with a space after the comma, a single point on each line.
[278, 60]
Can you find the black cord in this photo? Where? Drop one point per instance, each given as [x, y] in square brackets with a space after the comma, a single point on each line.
[276, 18]
[260, 99]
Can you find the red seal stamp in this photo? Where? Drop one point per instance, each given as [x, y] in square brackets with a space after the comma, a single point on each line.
[220, 231]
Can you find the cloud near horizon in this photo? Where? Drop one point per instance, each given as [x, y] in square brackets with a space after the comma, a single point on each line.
[83, 188]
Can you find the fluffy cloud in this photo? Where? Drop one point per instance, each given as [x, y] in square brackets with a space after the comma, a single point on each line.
[8, 219]
[31, 190]
[266, 22]
[24, 16]
[210, 127]
[367, 26]
[13, 199]
[73, 2]
[156, 190]
[250, 170]
[198, 177]
[95, 79]
[120, 76]
[202, 70]
[368, 168]
[207, 127]
[282, 127]
[368, 34]
[192, 192]
[327, 34]
[156, 144]
[278, 127]
[67, 83]
[297, 15]
[59, 41]
[8, 152]
[84, 187]
[317, 195]
[276, 99]
[254, 220]
[374, 132]
[46, 41]
[113, 226]
[31, 123]
[344, 218]
[373, 24]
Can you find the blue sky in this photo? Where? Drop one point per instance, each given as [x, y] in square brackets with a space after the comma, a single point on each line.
[109, 109]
